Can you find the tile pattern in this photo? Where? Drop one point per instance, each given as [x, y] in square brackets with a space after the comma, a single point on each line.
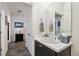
[17, 49]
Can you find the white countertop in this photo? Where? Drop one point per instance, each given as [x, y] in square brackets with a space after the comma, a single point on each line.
[56, 47]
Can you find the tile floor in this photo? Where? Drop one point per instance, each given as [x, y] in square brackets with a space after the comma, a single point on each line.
[17, 49]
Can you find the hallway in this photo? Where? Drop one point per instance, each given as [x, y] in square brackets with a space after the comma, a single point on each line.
[17, 49]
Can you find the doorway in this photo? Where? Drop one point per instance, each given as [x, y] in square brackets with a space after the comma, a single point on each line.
[57, 24]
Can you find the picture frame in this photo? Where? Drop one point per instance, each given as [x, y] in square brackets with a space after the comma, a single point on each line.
[18, 24]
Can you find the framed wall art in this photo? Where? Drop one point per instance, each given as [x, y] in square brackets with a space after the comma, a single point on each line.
[18, 24]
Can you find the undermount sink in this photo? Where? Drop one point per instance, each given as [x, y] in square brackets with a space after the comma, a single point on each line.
[49, 41]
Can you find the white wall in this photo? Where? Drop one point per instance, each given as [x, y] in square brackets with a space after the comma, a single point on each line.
[39, 11]
[4, 44]
[66, 20]
[4, 41]
[17, 30]
[75, 29]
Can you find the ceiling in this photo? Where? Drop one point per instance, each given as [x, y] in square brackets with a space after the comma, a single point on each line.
[18, 8]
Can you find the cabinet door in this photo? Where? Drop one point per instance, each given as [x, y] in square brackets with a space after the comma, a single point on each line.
[39, 50]
[48, 52]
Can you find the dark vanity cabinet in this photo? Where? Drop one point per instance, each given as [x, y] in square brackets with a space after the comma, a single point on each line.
[41, 50]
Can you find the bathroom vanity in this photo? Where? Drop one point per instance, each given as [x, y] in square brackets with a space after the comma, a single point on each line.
[55, 24]
[43, 48]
